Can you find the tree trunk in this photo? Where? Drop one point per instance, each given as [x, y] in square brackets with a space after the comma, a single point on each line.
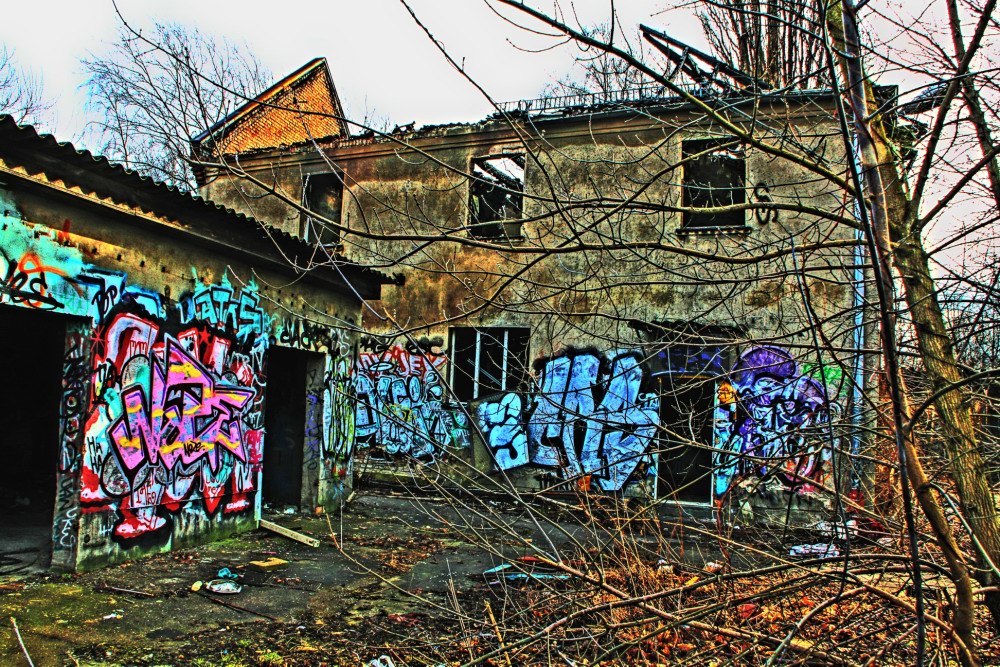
[893, 212]
[958, 430]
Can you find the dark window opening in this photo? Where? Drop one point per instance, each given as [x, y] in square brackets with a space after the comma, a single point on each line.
[322, 196]
[496, 196]
[687, 410]
[488, 361]
[714, 176]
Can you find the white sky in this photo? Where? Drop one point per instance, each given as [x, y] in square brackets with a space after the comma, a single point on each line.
[381, 60]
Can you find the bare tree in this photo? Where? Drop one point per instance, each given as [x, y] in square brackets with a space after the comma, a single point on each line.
[21, 93]
[600, 76]
[779, 42]
[152, 95]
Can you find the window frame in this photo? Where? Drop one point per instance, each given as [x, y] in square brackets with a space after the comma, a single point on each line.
[694, 223]
[500, 226]
[511, 378]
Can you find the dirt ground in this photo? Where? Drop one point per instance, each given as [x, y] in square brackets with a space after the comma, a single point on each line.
[393, 589]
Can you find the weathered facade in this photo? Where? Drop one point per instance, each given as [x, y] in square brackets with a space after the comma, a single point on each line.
[168, 367]
[567, 321]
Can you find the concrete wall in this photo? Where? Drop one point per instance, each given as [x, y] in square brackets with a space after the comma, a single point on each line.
[588, 358]
[165, 372]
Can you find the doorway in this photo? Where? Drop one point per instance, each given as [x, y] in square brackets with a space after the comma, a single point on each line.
[284, 426]
[32, 344]
[684, 469]
[293, 427]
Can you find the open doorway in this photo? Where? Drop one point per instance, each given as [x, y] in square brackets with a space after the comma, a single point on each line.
[293, 427]
[687, 406]
[32, 344]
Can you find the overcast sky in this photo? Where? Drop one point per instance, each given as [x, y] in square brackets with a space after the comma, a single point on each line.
[381, 60]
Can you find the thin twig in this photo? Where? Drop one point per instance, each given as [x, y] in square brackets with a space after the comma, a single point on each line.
[17, 633]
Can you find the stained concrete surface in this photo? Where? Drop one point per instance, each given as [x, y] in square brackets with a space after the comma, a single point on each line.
[399, 556]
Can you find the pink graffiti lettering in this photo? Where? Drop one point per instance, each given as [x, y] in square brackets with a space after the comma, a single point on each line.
[187, 416]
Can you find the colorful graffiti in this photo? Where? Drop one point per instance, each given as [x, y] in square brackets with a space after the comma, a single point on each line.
[161, 413]
[186, 416]
[774, 421]
[176, 419]
[400, 403]
[592, 415]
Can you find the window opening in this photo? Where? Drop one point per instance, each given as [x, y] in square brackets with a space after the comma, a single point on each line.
[496, 196]
[714, 176]
[488, 361]
[322, 195]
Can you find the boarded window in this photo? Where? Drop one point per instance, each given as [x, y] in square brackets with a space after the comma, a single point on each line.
[714, 176]
[496, 196]
[487, 361]
[322, 195]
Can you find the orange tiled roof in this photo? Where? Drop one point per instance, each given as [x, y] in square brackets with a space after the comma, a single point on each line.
[275, 117]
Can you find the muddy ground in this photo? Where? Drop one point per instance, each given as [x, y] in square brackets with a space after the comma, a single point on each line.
[393, 589]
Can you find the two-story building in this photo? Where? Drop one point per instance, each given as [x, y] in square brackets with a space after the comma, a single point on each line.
[620, 296]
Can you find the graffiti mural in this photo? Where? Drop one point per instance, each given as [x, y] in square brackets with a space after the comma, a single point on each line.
[773, 421]
[593, 414]
[400, 403]
[187, 415]
[161, 415]
[176, 419]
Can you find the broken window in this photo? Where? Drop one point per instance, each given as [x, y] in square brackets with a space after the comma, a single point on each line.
[714, 176]
[488, 361]
[321, 196]
[496, 195]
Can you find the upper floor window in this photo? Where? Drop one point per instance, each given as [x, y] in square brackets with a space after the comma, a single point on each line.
[714, 176]
[322, 195]
[496, 196]
[488, 360]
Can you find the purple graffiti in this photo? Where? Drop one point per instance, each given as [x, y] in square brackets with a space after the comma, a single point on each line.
[781, 418]
[187, 416]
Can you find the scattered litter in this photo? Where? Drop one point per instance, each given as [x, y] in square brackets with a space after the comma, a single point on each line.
[226, 573]
[814, 550]
[271, 563]
[291, 509]
[223, 587]
[838, 530]
[886, 542]
[714, 567]
[289, 533]
[196, 586]
[501, 574]
[381, 661]
[116, 614]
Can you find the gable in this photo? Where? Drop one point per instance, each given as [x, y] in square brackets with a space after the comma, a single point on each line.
[301, 107]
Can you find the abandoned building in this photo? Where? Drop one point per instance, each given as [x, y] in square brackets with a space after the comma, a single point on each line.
[169, 368]
[649, 359]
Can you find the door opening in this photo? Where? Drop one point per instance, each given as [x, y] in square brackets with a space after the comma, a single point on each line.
[33, 343]
[284, 426]
[687, 406]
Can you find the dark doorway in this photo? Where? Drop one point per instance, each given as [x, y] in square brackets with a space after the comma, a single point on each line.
[284, 426]
[32, 344]
[687, 406]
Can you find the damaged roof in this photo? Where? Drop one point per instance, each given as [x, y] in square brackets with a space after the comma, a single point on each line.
[26, 154]
[302, 106]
